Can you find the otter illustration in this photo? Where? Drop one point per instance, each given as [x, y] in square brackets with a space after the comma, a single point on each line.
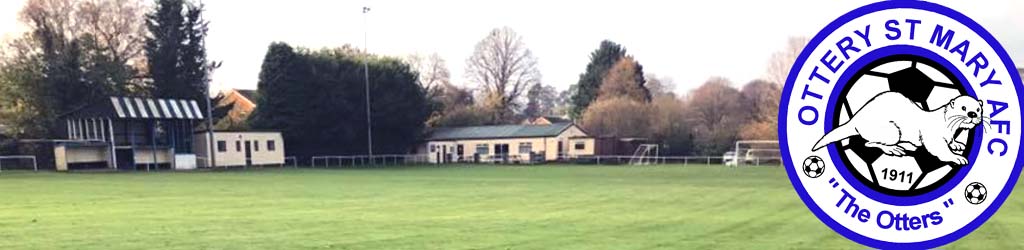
[893, 123]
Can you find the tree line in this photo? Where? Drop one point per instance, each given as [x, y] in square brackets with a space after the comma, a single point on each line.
[613, 97]
[76, 53]
[79, 52]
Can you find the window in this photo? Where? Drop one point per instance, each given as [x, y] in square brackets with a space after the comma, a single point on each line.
[580, 145]
[222, 146]
[483, 149]
[433, 148]
[271, 145]
[256, 146]
[238, 146]
[525, 147]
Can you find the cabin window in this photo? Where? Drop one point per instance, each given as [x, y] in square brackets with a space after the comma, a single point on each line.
[580, 145]
[433, 148]
[483, 149]
[256, 146]
[238, 146]
[271, 145]
[222, 146]
[525, 147]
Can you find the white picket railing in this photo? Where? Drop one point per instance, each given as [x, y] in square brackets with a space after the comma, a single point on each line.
[365, 160]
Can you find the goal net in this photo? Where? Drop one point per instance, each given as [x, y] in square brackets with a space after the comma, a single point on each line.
[645, 154]
[755, 152]
[18, 162]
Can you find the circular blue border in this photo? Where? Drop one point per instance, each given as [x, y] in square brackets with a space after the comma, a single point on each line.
[788, 89]
[843, 170]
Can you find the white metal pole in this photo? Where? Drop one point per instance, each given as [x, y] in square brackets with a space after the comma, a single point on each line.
[73, 135]
[95, 129]
[366, 78]
[113, 144]
[209, 129]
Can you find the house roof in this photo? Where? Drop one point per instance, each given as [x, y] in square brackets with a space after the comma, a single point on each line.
[556, 119]
[543, 120]
[250, 94]
[498, 131]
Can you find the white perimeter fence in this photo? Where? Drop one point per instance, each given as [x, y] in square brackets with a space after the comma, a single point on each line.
[289, 161]
[365, 160]
[332, 161]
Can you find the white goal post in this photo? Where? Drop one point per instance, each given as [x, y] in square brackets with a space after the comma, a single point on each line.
[35, 167]
[645, 154]
[755, 152]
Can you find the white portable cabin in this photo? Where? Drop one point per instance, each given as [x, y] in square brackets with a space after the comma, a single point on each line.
[508, 143]
[241, 148]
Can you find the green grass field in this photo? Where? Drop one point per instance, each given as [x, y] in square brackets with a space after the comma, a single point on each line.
[481, 207]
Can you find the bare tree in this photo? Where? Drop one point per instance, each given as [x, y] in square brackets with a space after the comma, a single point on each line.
[717, 115]
[504, 68]
[659, 86]
[618, 116]
[782, 61]
[624, 79]
[540, 100]
[115, 26]
[433, 73]
[761, 99]
[118, 27]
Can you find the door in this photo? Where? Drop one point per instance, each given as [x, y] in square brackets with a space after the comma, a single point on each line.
[444, 154]
[501, 151]
[248, 153]
[459, 152]
[125, 159]
[560, 149]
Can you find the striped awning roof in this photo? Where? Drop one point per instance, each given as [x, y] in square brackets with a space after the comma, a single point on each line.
[149, 108]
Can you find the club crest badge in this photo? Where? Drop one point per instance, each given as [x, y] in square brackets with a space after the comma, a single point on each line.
[900, 125]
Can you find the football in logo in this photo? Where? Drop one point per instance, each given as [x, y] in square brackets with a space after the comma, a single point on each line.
[901, 125]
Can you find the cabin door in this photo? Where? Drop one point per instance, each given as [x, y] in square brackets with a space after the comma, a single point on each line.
[459, 152]
[248, 153]
[444, 154]
[560, 150]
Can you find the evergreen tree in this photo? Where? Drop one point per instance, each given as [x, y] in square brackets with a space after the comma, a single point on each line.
[176, 50]
[166, 25]
[194, 66]
[317, 100]
[602, 59]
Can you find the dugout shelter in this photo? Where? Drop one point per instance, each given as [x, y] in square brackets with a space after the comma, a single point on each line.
[129, 133]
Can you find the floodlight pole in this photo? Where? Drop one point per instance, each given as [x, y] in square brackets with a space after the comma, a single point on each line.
[209, 126]
[366, 78]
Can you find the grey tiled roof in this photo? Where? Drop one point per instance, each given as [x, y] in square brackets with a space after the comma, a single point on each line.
[498, 131]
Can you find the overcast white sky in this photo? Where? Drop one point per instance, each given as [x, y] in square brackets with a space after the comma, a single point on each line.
[688, 41]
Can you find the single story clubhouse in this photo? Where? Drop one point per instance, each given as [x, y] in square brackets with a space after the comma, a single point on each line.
[508, 143]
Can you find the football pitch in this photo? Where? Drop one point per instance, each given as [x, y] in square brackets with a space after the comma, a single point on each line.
[454, 207]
